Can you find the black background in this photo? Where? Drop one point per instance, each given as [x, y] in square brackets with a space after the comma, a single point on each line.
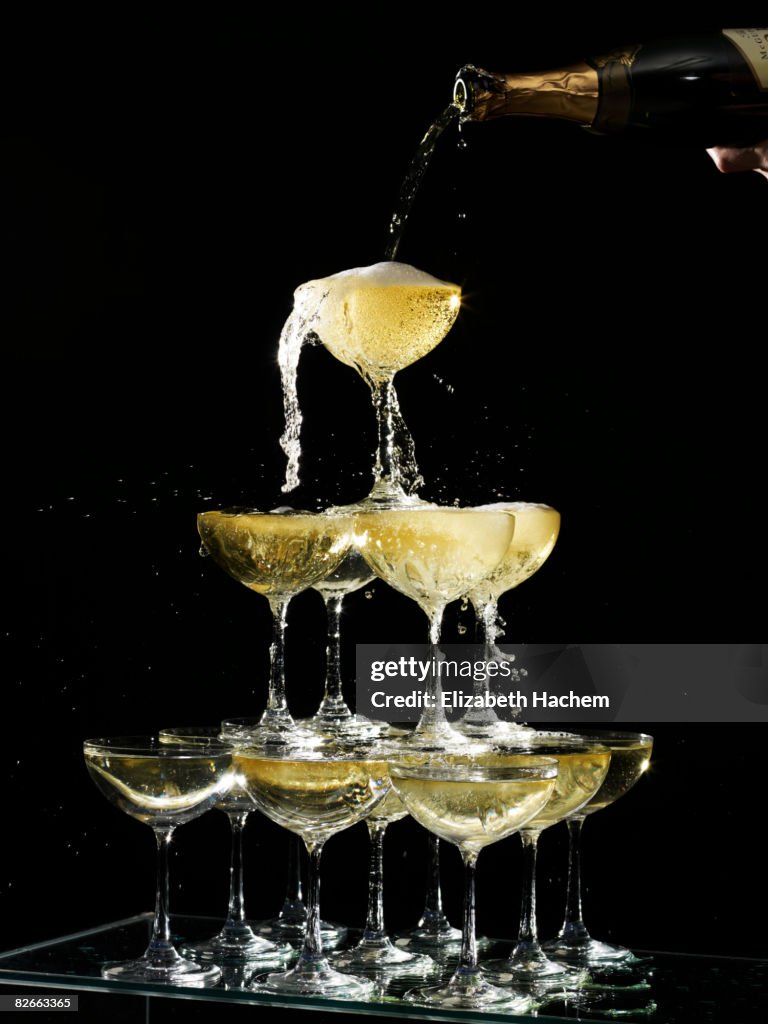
[168, 184]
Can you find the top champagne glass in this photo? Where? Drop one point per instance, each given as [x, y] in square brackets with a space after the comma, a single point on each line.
[380, 319]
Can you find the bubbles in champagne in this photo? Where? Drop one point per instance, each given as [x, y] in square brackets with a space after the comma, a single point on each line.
[536, 530]
[433, 555]
[382, 318]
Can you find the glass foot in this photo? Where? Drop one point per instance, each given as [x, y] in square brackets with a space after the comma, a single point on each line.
[394, 732]
[245, 948]
[583, 952]
[535, 973]
[471, 993]
[254, 732]
[435, 934]
[353, 727]
[384, 495]
[382, 956]
[316, 979]
[179, 972]
[283, 929]
[234, 976]
[494, 731]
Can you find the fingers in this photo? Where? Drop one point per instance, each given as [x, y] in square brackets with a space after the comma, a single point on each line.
[731, 159]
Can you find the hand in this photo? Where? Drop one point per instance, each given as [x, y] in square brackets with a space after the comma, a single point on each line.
[748, 158]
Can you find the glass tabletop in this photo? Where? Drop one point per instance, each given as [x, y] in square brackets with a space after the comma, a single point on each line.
[668, 988]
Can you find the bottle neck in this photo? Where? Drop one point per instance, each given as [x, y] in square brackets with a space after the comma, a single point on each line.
[571, 94]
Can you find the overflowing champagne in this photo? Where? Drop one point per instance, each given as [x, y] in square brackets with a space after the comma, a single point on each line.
[377, 319]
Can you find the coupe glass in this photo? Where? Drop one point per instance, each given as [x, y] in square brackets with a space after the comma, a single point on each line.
[630, 758]
[473, 806]
[236, 943]
[379, 320]
[581, 769]
[276, 554]
[290, 924]
[536, 531]
[314, 794]
[163, 786]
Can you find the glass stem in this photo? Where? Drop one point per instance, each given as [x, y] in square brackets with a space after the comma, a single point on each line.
[574, 929]
[235, 923]
[433, 725]
[160, 951]
[312, 951]
[374, 933]
[386, 467]
[333, 705]
[483, 716]
[293, 905]
[276, 715]
[528, 947]
[433, 916]
[468, 959]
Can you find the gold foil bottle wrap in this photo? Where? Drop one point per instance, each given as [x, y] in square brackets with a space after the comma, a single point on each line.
[571, 94]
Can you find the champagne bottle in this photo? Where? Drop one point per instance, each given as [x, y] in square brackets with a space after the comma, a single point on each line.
[709, 90]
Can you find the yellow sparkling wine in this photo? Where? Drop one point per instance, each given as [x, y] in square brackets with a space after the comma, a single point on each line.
[472, 812]
[382, 318]
[628, 763]
[579, 776]
[435, 555]
[536, 530]
[311, 797]
[274, 554]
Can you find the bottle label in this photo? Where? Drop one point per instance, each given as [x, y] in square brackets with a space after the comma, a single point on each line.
[752, 43]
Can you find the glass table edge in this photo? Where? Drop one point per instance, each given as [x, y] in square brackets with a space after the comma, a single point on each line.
[80, 983]
[392, 1007]
[74, 936]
